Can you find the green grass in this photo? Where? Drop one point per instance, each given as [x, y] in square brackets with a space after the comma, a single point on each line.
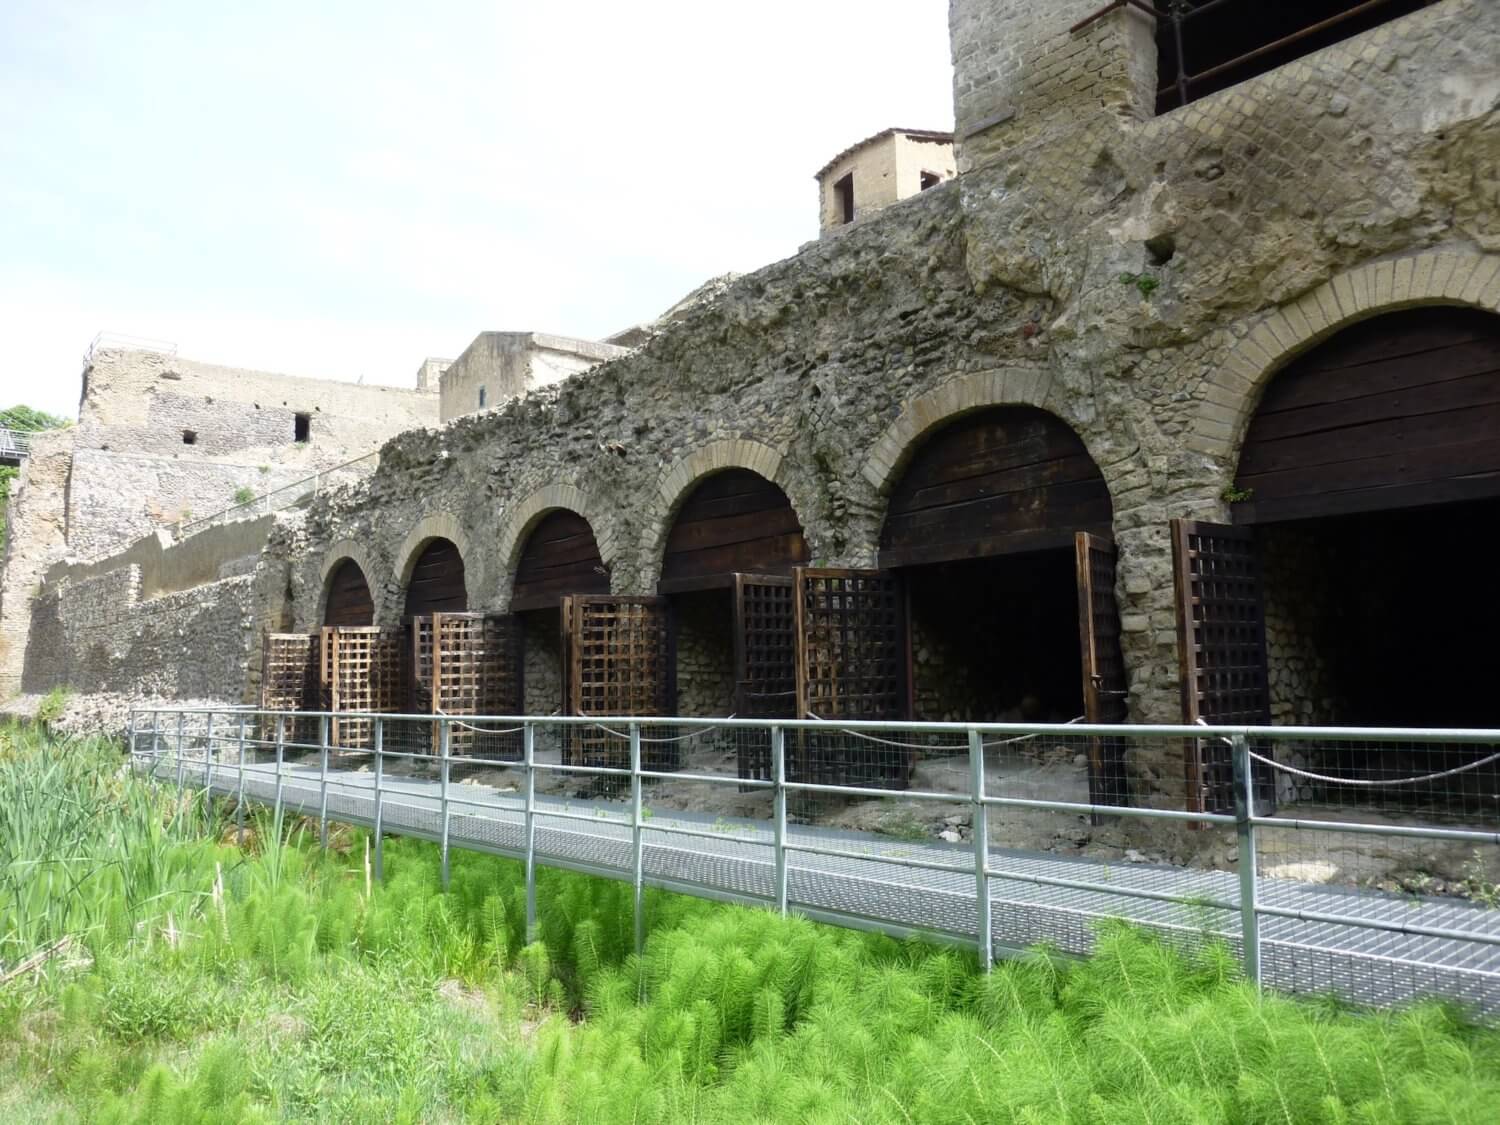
[203, 983]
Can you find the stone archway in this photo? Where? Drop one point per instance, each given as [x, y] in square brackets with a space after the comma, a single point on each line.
[1428, 277]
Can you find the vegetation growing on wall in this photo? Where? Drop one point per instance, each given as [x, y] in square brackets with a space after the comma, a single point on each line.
[181, 978]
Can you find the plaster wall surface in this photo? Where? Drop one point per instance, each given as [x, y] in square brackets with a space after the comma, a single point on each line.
[507, 364]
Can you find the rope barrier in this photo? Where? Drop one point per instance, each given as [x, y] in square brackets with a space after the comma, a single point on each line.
[929, 745]
[659, 741]
[1372, 782]
[453, 721]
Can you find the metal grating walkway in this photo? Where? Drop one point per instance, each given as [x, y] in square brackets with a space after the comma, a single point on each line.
[734, 860]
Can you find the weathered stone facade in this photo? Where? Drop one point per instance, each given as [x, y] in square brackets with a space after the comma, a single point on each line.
[1140, 277]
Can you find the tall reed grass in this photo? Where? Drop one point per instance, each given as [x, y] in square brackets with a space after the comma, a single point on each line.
[283, 985]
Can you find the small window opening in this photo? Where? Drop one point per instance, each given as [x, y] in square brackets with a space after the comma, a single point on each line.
[189, 437]
[1228, 41]
[843, 191]
[930, 179]
[302, 428]
[482, 398]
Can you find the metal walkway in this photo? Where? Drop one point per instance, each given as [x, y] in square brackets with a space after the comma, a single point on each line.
[888, 888]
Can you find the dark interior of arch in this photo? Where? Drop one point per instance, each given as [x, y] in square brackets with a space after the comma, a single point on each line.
[561, 556]
[437, 581]
[995, 482]
[349, 600]
[1225, 42]
[1399, 411]
[732, 521]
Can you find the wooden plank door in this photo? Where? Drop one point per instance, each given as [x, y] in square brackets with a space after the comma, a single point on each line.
[852, 662]
[765, 663]
[1104, 688]
[1221, 647]
[620, 659]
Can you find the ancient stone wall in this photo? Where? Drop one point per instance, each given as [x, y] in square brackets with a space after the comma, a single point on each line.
[97, 635]
[705, 653]
[543, 674]
[36, 532]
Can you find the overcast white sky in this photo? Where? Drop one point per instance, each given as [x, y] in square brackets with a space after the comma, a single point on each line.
[341, 189]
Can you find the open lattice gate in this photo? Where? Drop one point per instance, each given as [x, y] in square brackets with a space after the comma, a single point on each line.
[765, 661]
[618, 659]
[361, 670]
[852, 662]
[288, 682]
[1221, 645]
[470, 664]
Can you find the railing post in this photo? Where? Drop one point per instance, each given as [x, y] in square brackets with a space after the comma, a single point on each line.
[379, 800]
[130, 736]
[980, 831]
[1244, 829]
[778, 805]
[528, 755]
[208, 758]
[323, 783]
[155, 744]
[639, 873]
[181, 717]
[239, 800]
[443, 753]
[280, 757]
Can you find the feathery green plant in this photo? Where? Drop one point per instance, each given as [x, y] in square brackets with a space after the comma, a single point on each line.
[274, 984]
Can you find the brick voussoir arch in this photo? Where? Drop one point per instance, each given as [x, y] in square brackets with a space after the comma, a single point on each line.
[442, 525]
[687, 471]
[357, 553]
[550, 498]
[963, 394]
[1424, 277]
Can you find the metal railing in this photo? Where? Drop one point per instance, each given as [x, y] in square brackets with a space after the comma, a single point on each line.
[120, 341]
[15, 445]
[284, 496]
[800, 832]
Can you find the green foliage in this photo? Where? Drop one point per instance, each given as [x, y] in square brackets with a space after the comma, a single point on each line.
[244, 494]
[1233, 494]
[1144, 283]
[52, 705]
[30, 420]
[272, 985]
